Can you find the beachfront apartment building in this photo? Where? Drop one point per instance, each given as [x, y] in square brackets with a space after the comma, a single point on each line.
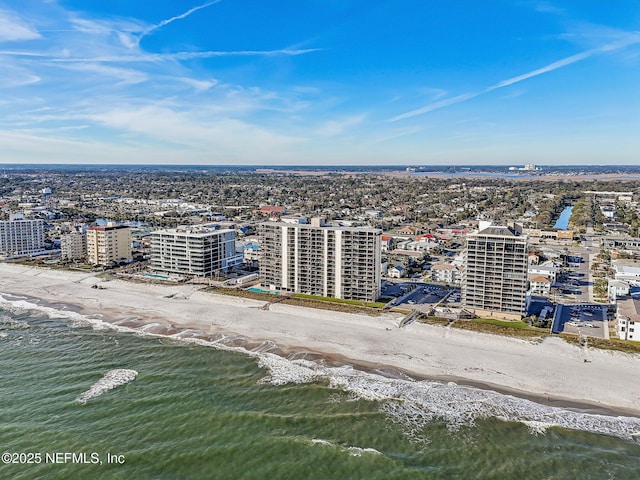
[198, 250]
[447, 273]
[628, 317]
[494, 280]
[73, 246]
[321, 259]
[20, 237]
[108, 245]
[540, 285]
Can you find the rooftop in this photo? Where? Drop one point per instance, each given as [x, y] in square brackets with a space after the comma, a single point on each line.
[497, 230]
[192, 230]
[629, 307]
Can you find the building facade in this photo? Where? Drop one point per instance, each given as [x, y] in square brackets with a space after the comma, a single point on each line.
[540, 285]
[447, 273]
[193, 250]
[318, 259]
[20, 237]
[628, 317]
[108, 245]
[73, 246]
[494, 281]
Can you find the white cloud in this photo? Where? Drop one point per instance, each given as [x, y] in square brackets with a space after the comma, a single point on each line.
[434, 93]
[625, 41]
[159, 57]
[398, 133]
[199, 85]
[14, 29]
[13, 76]
[435, 106]
[177, 17]
[126, 76]
[546, 7]
[161, 109]
[160, 124]
[332, 128]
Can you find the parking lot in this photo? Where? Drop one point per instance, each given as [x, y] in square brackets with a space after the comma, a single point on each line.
[583, 319]
[409, 294]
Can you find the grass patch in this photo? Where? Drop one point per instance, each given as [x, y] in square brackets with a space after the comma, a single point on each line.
[236, 292]
[498, 327]
[359, 303]
[500, 323]
[434, 320]
[333, 306]
[617, 344]
[308, 301]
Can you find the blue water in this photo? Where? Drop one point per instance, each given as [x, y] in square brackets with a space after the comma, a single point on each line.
[155, 275]
[263, 290]
[173, 409]
[563, 220]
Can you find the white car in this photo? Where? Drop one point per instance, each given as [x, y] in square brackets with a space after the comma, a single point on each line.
[575, 324]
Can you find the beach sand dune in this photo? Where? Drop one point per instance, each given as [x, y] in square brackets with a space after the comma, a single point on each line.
[550, 370]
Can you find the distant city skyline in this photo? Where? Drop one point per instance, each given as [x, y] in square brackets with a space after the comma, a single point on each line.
[320, 83]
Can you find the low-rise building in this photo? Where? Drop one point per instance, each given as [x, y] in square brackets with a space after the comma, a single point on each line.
[397, 271]
[627, 271]
[548, 269]
[628, 317]
[617, 288]
[539, 285]
[386, 243]
[447, 273]
[251, 252]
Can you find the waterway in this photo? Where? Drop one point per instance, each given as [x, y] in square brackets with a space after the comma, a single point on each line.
[563, 220]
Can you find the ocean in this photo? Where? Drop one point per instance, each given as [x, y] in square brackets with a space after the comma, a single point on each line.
[79, 400]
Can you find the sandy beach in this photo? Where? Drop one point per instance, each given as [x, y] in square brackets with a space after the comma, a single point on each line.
[550, 370]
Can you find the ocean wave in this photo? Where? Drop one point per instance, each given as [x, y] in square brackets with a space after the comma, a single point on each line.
[111, 379]
[353, 451]
[77, 319]
[416, 404]
[411, 403]
[13, 323]
[283, 371]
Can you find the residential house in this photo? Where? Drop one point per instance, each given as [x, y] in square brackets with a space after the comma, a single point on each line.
[447, 273]
[397, 271]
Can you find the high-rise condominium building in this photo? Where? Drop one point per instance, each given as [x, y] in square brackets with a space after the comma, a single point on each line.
[321, 260]
[193, 250]
[20, 237]
[494, 281]
[73, 246]
[108, 245]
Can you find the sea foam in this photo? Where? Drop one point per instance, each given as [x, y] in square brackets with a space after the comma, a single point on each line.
[416, 404]
[407, 402]
[111, 379]
[353, 451]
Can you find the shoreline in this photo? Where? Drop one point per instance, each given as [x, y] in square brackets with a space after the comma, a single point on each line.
[609, 384]
[293, 352]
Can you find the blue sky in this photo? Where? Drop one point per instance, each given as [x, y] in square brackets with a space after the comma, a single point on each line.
[299, 82]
